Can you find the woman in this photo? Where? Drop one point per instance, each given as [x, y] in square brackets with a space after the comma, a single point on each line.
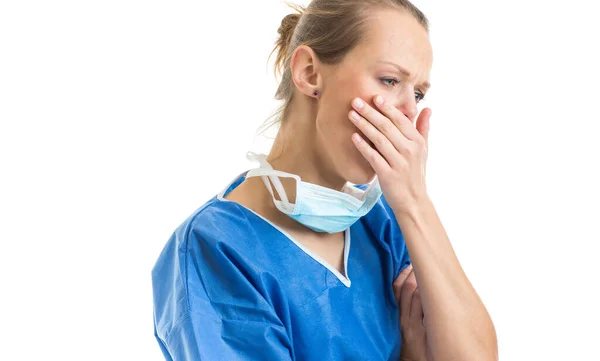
[289, 261]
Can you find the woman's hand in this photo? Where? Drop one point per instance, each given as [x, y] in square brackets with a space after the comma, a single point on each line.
[414, 337]
[401, 153]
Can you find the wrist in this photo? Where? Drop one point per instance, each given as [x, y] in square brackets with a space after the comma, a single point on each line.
[414, 207]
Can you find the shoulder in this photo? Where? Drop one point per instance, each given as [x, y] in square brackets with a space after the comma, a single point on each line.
[215, 226]
[213, 223]
[209, 292]
[208, 261]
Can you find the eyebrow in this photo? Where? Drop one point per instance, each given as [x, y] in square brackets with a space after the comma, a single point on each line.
[425, 85]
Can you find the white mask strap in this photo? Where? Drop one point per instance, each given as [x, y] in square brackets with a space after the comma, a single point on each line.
[267, 170]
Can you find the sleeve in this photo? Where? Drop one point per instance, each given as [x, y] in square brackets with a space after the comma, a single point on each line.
[396, 240]
[198, 337]
[218, 310]
[383, 224]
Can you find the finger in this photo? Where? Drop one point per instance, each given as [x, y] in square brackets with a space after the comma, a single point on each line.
[399, 282]
[423, 124]
[428, 353]
[416, 309]
[410, 285]
[385, 125]
[381, 142]
[397, 117]
[403, 275]
[372, 156]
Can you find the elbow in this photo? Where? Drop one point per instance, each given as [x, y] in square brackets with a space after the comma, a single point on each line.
[483, 345]
[494, 351]
[490, 345]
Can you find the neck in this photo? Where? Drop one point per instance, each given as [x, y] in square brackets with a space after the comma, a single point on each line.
[296, 150]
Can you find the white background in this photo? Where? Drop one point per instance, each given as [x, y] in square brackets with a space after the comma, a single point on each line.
[120, 118]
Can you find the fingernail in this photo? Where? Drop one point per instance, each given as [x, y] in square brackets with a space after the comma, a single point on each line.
[358, 103]
[354, 115]
[379, 100]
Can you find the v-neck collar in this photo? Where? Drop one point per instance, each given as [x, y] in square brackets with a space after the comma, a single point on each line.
[343, 278]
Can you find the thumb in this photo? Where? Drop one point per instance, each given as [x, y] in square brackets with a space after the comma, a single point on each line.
[399, 281]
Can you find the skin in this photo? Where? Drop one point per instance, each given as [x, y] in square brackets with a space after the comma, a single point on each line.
[412, 318]
[443, 318]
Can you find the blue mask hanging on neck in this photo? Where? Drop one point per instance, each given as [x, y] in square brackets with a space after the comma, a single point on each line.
[320, 208]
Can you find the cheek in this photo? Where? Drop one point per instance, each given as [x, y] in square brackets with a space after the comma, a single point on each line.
[334, 124]
[334, 127]
[335, 142]
[358, 87]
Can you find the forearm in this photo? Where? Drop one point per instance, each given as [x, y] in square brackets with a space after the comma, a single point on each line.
[457, 323]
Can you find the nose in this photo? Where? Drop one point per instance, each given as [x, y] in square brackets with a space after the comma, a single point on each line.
[407, 104]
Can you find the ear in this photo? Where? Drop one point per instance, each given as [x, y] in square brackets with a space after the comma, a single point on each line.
[305, 67]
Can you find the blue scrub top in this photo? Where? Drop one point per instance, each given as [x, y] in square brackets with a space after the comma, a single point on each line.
[230, 285]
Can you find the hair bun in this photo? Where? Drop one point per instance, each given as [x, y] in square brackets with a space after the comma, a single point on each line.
[288, 24]
[286, 32]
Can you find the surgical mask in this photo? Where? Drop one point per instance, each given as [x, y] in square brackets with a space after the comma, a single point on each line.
[320, 208]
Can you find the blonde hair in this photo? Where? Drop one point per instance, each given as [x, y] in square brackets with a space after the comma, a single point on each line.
[331, 28]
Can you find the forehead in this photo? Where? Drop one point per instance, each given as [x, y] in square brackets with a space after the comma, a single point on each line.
[396, 36]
